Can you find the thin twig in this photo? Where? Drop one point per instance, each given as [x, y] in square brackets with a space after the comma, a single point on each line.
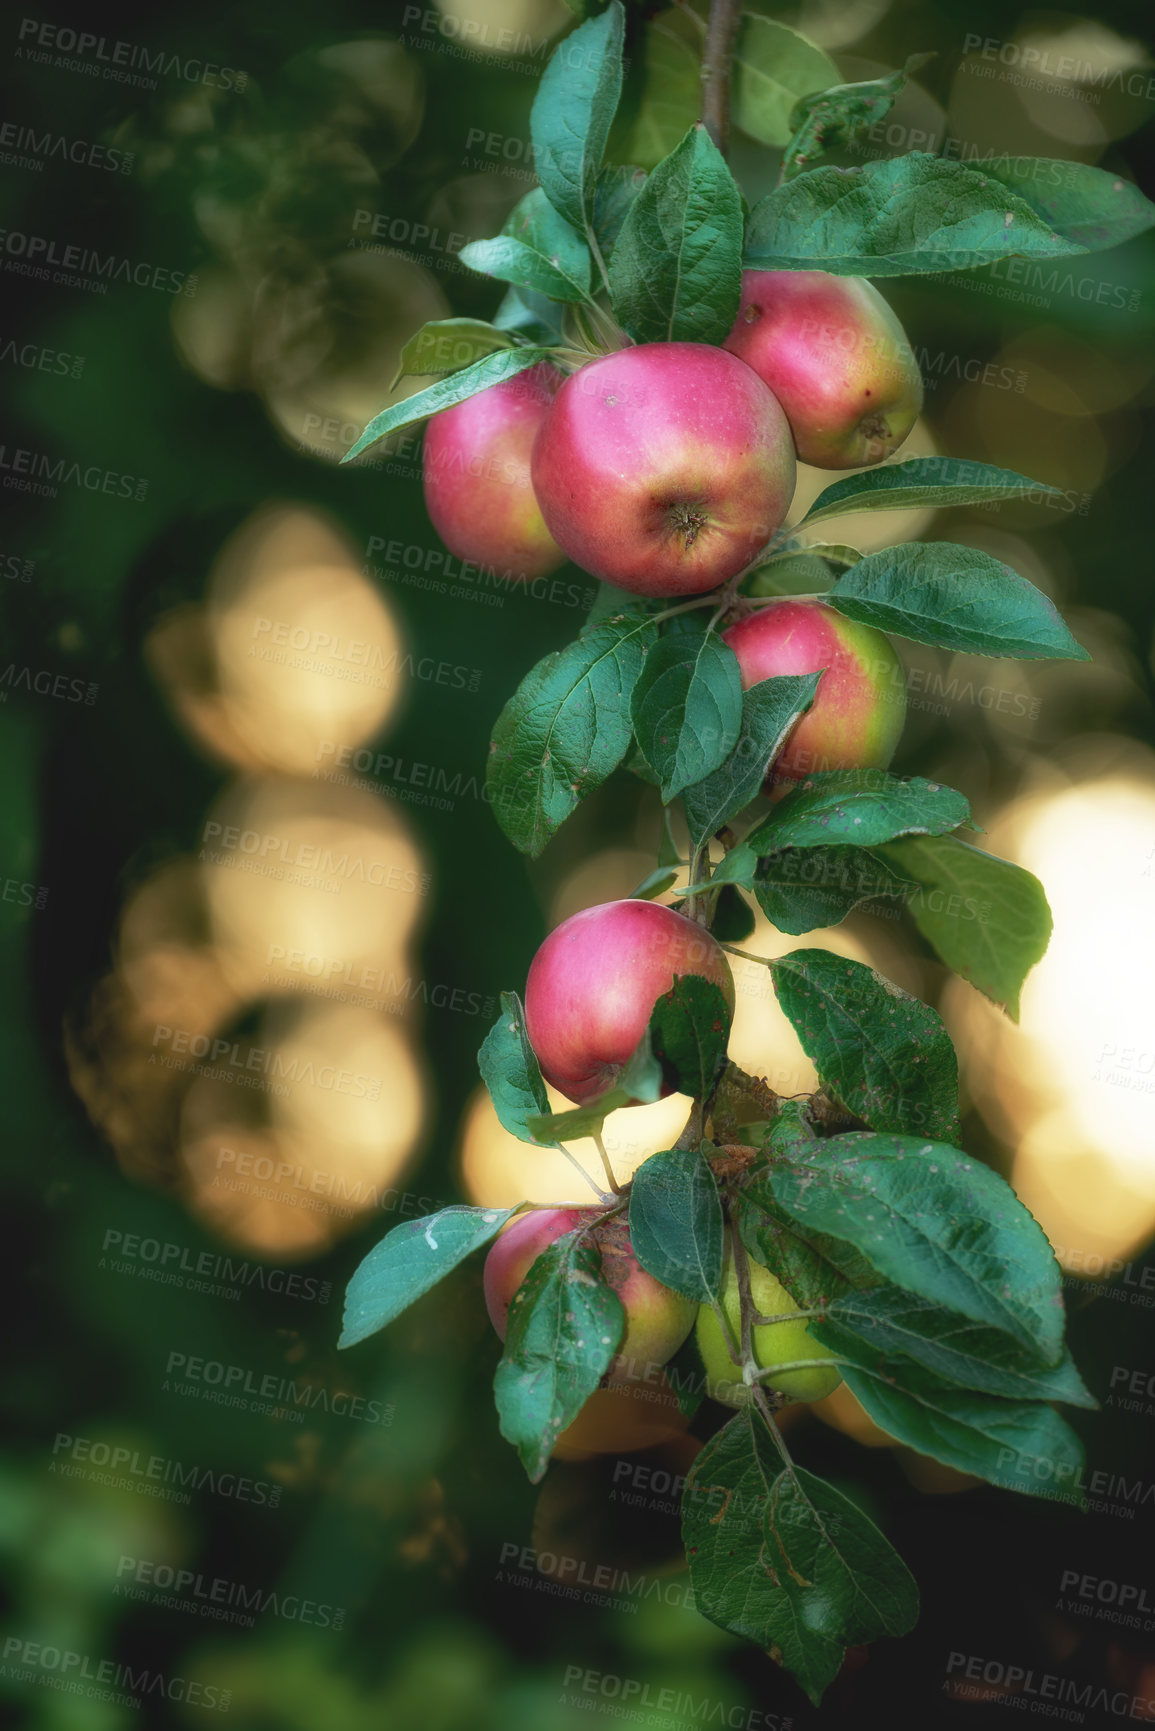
[717, 66]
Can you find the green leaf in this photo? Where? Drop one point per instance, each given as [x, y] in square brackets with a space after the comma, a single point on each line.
[655, 884]
[640, 1083]
[856, 806]
[885, 1055]
[773, 67]
[409, 1262]
[922, 481]
[896, 218]
[769, 711]
[733, 920]
[986, 918]
[687, 709]
[676, 1226]
[447, 345]
[565, 1325]
[531, 315]
[510, 1070]
[573, 111]
[457, 388]
[835, 117]
[676, 271]
[800, 569]
[690, 1027]
[1088, 205]
[787, 1561]
[814, 1268]
[1003, 1441]
[565, 729]
[612, 603]
[955, 598]
[803, 889]
[936, 1223]
[876, 1328]
[671, 91]
[617, 188]
[536, 249]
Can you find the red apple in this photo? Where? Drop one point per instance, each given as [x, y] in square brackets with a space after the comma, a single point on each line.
[836, 358]
[857, 716]
[476, 462]
[657, 1320]
[594, 983]
[664, 469]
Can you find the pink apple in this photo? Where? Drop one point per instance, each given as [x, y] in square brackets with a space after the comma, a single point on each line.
[657, 1320]
[476, 464]
[594, 983]
[857, 716]
[664, 469]
[836, 358]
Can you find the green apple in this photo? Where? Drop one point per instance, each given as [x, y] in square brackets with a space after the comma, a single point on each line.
[773, 1342]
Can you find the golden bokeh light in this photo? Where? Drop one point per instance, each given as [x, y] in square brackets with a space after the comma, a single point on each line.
[354, 1093]
[308, 656]
[1072, 1087]
[608, 876]
[498, 1170]
[762, 1040]
[867, 530]
[289, 1168]
[310, 887]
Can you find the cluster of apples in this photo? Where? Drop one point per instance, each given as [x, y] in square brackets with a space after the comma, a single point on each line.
[591, 990]
[666, 468]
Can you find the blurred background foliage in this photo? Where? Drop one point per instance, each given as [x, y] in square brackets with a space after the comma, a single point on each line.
[289, 221]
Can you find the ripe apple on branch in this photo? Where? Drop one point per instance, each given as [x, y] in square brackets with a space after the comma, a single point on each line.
[661, 361]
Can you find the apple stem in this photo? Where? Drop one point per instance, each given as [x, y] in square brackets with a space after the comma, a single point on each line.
[601, 1195]
[609, 1171]
[798, 1364]
[746, 1302]
[786, 1316]
[717, 65]
[765, 1407]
